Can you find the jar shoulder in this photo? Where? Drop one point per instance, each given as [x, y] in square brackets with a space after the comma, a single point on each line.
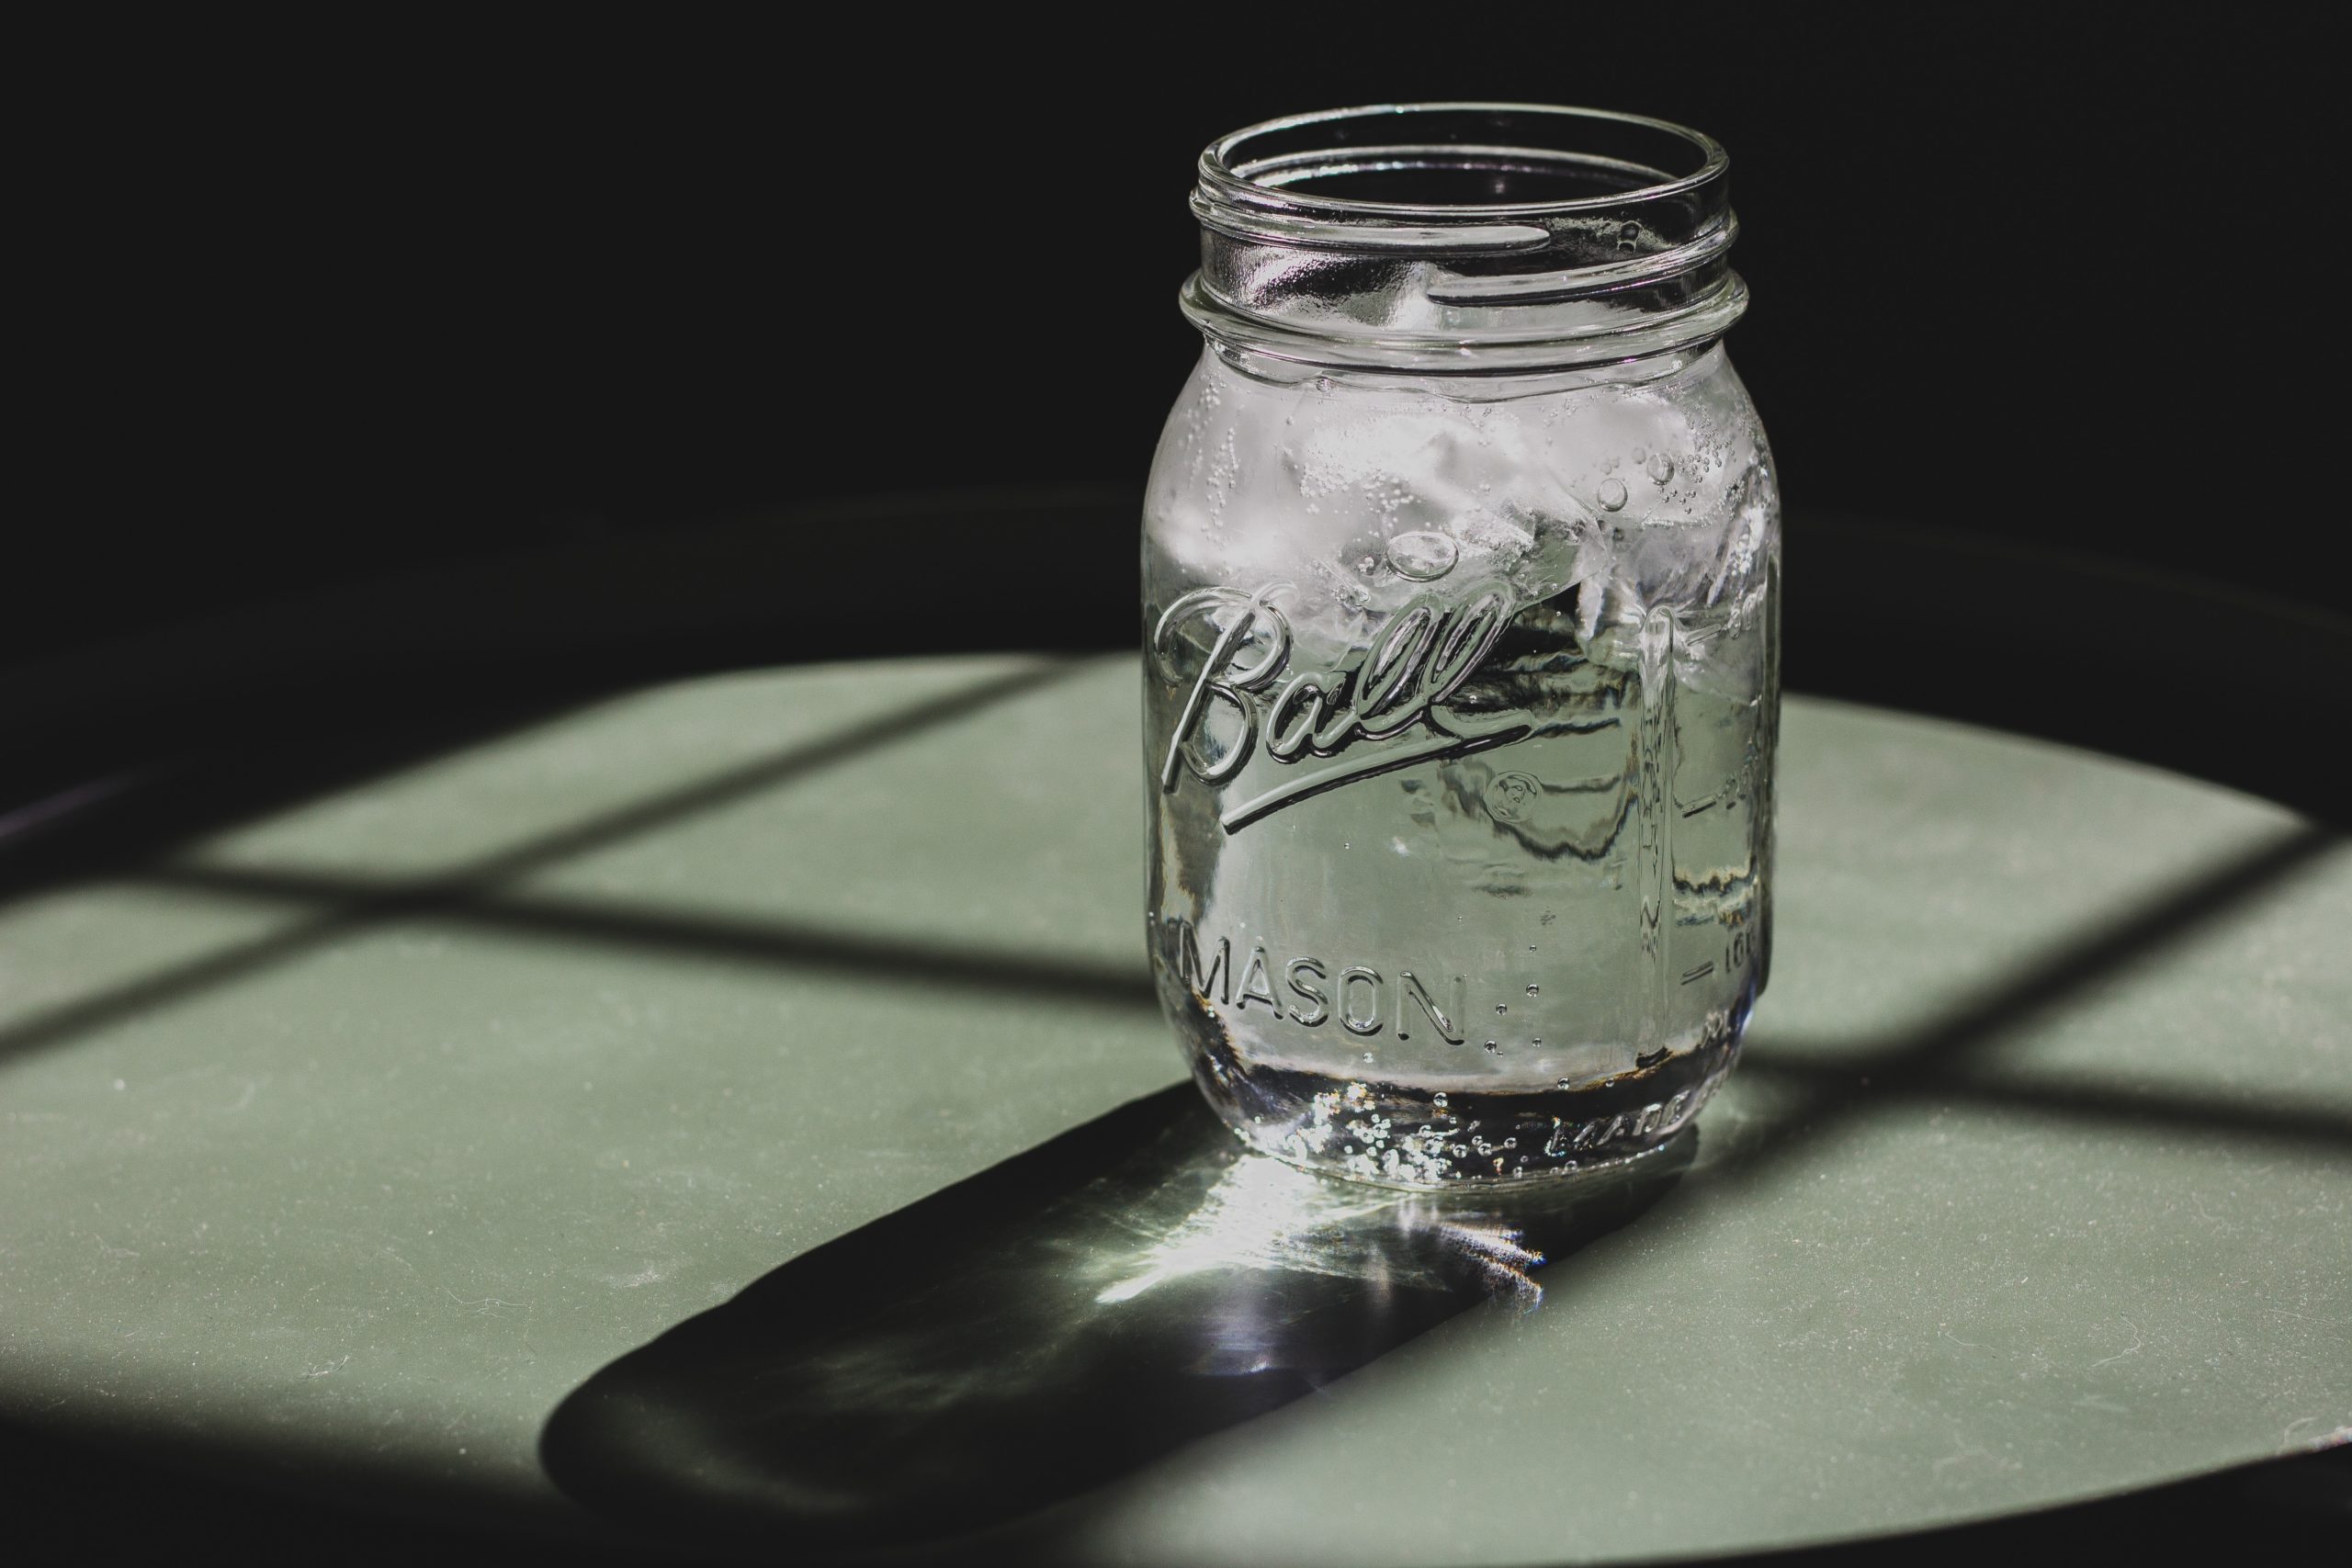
[1327, 461]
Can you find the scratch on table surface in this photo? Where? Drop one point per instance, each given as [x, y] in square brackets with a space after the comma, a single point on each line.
[110, 1249]
[2287, 1439]
[1964, 1344]
[1962, 1451]
[334, 1365]
[487, 1306]
[648, 1275]
[2138, 1342]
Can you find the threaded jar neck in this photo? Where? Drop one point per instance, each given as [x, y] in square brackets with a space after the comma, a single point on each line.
[1468, 238]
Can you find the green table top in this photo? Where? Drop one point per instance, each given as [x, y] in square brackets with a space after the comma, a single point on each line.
[349, 1145]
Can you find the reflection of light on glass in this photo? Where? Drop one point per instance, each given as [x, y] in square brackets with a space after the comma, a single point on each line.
[1260, 1214]
[1502, 1260]
[1264, 1214]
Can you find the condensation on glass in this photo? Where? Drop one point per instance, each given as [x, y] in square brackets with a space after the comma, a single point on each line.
[1460, 567]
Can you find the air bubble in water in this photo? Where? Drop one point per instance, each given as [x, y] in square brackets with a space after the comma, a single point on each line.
[1660, 468]
[1611, 494]
[1502, 1006]
[1438, 1100]
[1423, 556]
[1534, 990]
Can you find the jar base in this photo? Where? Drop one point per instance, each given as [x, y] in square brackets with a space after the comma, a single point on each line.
[1420, 1139]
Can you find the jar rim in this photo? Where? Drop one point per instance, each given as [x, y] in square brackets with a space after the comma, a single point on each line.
[1232, 178]
[1464, 237]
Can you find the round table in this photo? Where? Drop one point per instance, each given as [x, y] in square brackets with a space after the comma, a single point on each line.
[737, 1107]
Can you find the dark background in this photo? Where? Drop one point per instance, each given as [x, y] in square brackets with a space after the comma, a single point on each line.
[314, 305]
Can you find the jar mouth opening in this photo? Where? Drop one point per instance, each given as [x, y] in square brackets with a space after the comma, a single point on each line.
[1464, 238]
[1444, 162]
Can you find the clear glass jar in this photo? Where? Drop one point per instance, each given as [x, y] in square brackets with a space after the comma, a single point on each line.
[1461, 567]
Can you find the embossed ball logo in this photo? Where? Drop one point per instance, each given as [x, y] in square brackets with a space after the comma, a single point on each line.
[1345, 723]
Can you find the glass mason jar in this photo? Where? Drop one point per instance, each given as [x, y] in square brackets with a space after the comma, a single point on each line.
[1460, 613]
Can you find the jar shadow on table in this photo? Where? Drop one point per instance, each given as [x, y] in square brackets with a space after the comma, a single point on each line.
[1046, 1326]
